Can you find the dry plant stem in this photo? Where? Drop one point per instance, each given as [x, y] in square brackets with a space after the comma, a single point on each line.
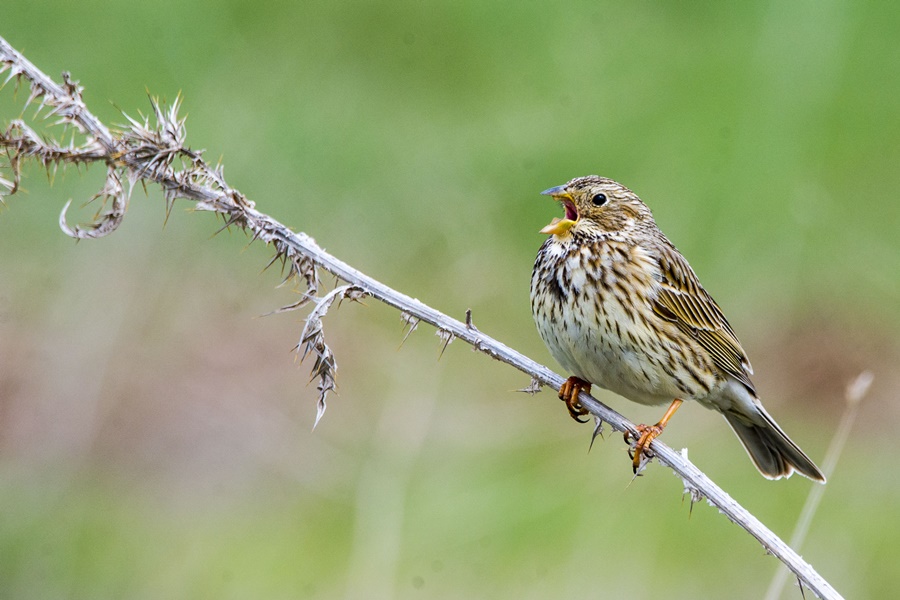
[854, 394]
[147, 154]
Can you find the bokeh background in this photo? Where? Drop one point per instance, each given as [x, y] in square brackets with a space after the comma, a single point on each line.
[155, 434]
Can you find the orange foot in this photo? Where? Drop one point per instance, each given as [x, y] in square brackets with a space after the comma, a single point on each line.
[648, 434]
[568, 393]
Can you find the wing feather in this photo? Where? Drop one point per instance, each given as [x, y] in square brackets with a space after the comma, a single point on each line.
[683, 301]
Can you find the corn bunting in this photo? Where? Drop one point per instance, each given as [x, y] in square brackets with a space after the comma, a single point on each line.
[619, 307]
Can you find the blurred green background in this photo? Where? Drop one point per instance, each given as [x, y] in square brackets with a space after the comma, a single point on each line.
[155, 435]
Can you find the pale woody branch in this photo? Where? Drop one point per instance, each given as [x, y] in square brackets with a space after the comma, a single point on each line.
[144, 152]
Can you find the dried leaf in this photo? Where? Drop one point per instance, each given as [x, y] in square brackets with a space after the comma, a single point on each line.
[105, 223]
[312, 342]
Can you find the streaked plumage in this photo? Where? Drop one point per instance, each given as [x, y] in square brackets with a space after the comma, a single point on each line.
[619, 307]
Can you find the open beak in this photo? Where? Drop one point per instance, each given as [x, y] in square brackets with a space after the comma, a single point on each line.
[561, 226]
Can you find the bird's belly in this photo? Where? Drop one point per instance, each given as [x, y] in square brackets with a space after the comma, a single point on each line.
[599, 324]
[608, 346]
[630, 376]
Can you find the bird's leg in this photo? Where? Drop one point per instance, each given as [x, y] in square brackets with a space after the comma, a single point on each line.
[568, 393]
[650, 433]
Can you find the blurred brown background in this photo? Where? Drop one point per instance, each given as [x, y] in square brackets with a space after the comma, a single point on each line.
[155, 434]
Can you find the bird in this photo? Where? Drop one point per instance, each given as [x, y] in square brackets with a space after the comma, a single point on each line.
[619, 307]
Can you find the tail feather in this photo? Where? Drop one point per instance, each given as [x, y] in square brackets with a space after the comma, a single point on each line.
[771, 450]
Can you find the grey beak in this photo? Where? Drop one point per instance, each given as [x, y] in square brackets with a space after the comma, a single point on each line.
[554, 191]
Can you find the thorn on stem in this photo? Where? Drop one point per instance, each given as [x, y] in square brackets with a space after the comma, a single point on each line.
[410, 323]
[532, 388]
[469, 324]
[446, 339]
[598, 430]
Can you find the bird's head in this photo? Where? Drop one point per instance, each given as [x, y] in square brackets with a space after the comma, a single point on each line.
[595, 203]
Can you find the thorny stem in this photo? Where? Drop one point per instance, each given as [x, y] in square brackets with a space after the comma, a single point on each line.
[144, 153]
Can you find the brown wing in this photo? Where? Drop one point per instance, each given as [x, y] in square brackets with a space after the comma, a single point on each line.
[683, 301]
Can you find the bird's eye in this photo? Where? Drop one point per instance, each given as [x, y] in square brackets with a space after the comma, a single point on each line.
[599, 199]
